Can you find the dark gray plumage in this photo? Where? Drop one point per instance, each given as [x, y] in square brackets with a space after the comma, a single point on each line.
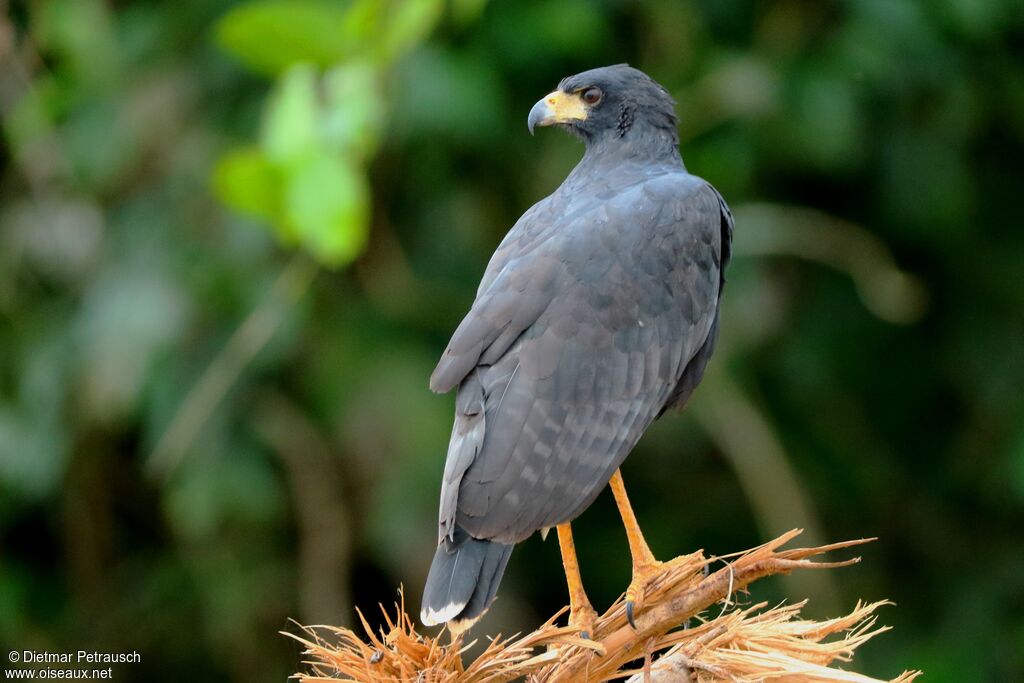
[598, 311]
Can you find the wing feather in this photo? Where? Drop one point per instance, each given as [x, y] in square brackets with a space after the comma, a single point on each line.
[581, 333]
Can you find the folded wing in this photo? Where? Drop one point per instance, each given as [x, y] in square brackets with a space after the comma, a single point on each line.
[583, 332]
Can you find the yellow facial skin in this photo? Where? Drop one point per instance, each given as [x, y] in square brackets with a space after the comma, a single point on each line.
[557, 107]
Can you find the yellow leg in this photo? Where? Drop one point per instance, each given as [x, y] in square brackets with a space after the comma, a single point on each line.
[644, 564]
[581, 613]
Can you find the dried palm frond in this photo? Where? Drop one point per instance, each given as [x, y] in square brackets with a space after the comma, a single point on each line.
[753, 643]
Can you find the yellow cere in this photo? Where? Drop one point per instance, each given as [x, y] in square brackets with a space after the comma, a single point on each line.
[566, 107]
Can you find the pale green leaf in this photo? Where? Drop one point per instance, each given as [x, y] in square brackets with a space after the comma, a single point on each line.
[327, 203]
[290, 127]
[354, 109]
[245, 180]
[409, 22]
[268, 36]
[363, 21]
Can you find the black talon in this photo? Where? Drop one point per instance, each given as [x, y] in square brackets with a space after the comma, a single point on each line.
[629, 614]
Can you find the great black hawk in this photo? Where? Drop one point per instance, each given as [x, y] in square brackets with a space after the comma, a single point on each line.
[597, 313]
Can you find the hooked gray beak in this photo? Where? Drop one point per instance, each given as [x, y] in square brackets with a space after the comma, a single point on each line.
[540, 115]
[556, 107]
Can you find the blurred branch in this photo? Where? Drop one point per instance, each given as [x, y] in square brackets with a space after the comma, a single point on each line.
[322, 516]
[740, 644]
[87, 521]
[248, 340]
[887, 291]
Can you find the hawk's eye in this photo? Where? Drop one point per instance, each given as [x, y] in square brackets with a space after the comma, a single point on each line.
[591, 95]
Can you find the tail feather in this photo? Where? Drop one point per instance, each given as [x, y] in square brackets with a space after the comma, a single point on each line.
[463, 580]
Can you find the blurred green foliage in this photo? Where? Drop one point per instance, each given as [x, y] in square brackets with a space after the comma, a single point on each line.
[235, 236]
[307, 175]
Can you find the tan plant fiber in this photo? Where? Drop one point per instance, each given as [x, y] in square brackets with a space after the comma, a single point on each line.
[729, 643]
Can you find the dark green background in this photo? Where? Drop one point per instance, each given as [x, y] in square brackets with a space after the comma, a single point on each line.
[872, 344]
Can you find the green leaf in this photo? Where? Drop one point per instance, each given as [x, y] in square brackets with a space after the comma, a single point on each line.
[33, 114]
[409, 23]
[290, 127]
[355, 109]
[81, 33]
[363, 21]
[268, 36]
[245, 180]
[327, 203]
[465, 12]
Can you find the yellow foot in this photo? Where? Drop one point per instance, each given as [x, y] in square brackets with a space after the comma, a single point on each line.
[583, 618]
[644, 577]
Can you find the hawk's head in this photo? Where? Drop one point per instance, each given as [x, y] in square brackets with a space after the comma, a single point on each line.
[606, 104]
